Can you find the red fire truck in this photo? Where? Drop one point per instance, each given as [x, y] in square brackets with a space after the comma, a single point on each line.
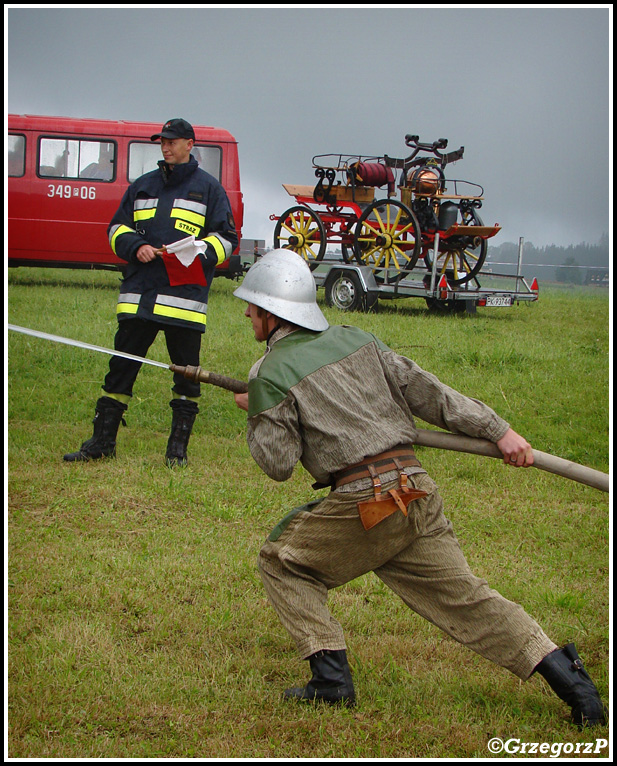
[66, 177]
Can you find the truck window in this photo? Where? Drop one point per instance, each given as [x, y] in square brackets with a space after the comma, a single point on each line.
[144, 157]
[16, 155]
[75, 158]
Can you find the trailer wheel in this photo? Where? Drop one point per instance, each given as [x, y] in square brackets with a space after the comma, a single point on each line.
[387, 238]
[344, 291]
[300, 229]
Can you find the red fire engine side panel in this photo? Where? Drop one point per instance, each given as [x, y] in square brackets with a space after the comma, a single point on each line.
[59, 212]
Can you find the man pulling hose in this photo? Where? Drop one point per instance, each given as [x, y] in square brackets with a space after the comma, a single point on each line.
[343, 404]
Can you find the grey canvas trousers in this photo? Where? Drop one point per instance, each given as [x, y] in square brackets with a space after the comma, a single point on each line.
[323, 545]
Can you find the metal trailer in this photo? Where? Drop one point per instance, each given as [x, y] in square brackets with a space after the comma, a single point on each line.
[353, 287]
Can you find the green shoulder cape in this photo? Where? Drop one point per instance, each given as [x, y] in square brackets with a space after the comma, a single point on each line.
[299, 354]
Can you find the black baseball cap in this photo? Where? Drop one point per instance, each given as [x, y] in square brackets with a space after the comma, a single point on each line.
[175, 128]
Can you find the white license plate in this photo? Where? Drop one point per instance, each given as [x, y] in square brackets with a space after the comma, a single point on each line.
[499, 300]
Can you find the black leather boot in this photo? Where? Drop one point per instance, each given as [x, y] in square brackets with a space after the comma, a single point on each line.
[183, 418]
[331, 681]
[107, 417]
[564, 672]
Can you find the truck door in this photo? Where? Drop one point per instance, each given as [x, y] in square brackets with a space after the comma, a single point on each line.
[74, 195]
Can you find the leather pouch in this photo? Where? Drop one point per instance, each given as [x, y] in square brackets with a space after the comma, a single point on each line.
[386, 503]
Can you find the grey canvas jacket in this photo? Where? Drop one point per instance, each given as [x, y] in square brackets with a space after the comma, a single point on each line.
[332, 398]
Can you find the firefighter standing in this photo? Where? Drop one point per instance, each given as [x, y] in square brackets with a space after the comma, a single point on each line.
[158, 291]
[341, 402]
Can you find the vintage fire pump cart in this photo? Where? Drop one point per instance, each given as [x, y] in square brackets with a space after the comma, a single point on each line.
[430, 243]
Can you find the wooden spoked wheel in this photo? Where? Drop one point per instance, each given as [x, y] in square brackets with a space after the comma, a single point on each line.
[387, 238]
[300, 229]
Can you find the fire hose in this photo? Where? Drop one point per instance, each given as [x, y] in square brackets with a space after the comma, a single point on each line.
[440, 439]
[437, 439]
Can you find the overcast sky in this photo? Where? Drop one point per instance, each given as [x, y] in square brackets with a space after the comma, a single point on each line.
[526, 91]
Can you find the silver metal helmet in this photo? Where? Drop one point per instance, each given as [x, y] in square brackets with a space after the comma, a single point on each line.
[281, 282]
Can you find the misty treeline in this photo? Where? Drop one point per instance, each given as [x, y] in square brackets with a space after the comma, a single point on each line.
[575, 264]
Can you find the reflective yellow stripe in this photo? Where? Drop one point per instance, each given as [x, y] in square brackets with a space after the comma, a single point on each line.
[142, 215]
[188, 215]
[124, 398]
[218, 248]
[128, 303]
[126, 308]
[176, 313]
[174, 395]
[118, 232]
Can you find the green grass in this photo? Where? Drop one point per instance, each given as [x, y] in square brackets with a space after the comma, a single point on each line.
[137, 623]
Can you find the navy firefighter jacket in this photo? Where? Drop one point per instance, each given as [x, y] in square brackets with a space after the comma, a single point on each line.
[159, 208]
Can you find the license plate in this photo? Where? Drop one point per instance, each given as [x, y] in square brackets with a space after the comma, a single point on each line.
[499, 300]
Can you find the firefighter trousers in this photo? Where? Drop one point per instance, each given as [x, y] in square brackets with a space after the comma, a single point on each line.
[323, 545]
[135, 336]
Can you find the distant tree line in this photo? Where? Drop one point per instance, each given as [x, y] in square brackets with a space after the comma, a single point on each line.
[575, 264]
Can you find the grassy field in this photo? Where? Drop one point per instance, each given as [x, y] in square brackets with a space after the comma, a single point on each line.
[137, 623]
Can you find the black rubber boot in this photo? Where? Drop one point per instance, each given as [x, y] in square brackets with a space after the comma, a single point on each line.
[183, 418]
[331, 681]
[107, 418]
[564, 672]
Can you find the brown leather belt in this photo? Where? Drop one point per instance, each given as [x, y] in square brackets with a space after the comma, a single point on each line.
[391, 460]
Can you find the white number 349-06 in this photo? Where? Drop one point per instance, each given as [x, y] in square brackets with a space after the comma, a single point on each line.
[67, 191]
